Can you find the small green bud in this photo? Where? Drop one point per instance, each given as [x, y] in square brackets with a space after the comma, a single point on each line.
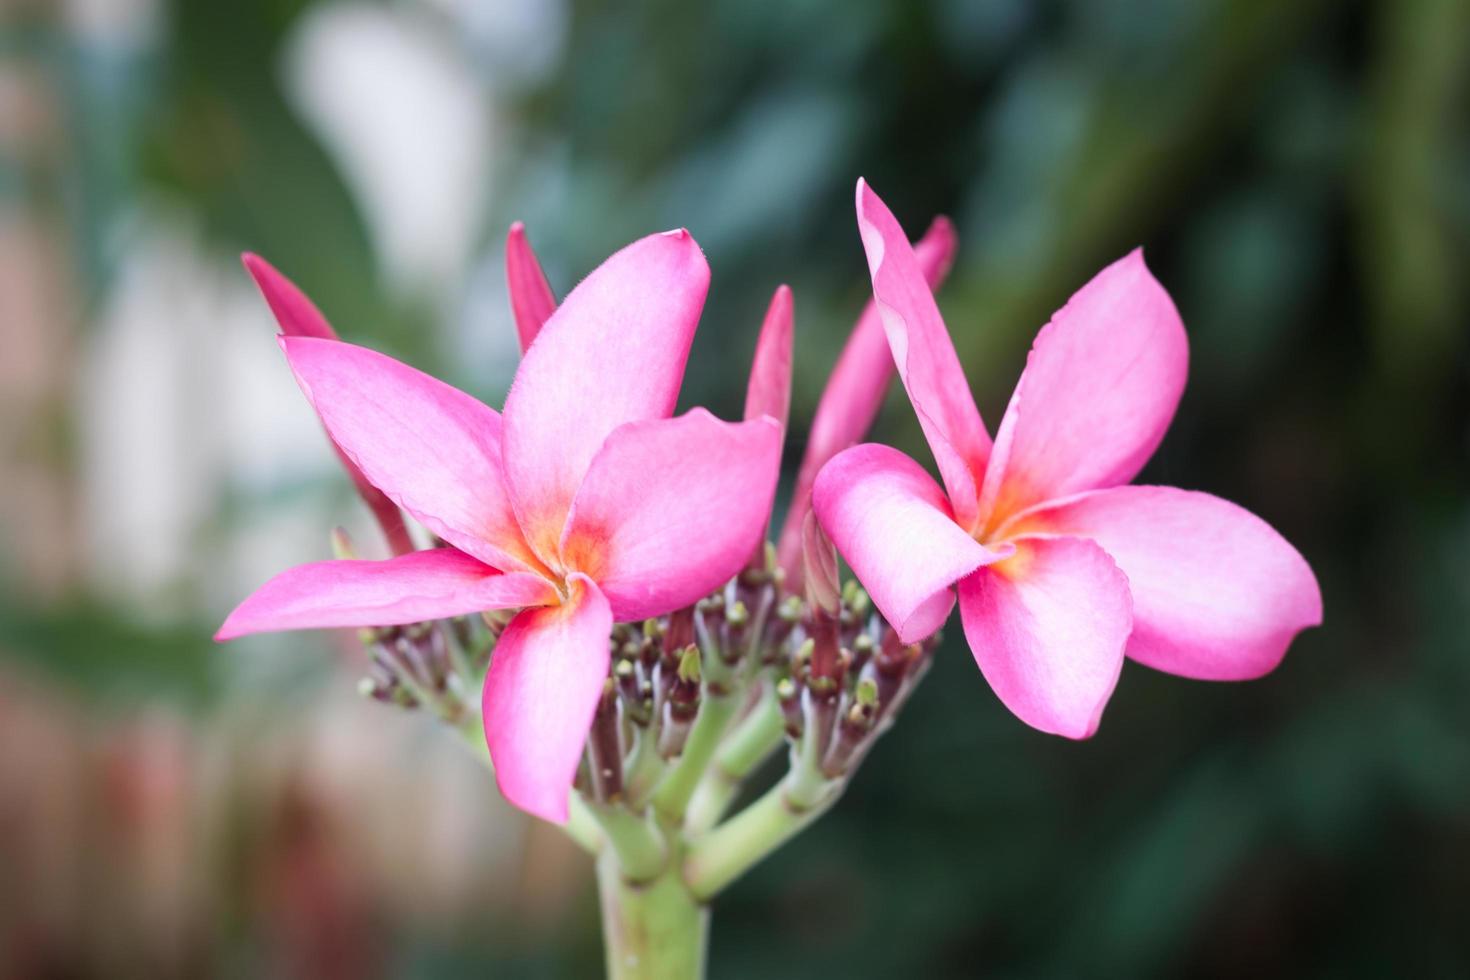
[822, 685]
[623, 668]
[689, 664]
[366, 687]
[786, 689]
[737, 614]
[866, 693]
[652, 629]
[805, 651]
[790, 609]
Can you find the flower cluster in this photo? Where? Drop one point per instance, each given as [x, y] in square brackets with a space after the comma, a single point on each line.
[647, 648]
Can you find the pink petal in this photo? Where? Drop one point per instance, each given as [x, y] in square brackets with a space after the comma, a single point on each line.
[1099, 390]
[1217, 593]
[769, 389]
[613, 352]
[411, 588]
[671, 509]
[540, 694]
[1047, 628]
[925, 357]
[297, 316]
[853, 395]
[531, 300]
[429, 446]
[891, 522]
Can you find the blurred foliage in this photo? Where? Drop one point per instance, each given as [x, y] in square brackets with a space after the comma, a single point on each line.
[1299, 173]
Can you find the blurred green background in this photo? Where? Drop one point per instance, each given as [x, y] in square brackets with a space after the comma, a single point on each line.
[1299, 174]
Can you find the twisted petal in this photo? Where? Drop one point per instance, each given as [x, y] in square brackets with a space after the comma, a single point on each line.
[769, 389]
[1099, 390]
[1047, 628]
[613, 352]
[540, 694]
[429, 446]
[671, 509]
[298, 316]
[531, 299]
[925, 357]
[891, 522]
[853, 395]
[1217, 593]
[411, 588]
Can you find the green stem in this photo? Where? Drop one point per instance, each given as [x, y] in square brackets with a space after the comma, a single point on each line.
[581, 827]
[749, 744]
[738, 844]
[672, 796]
[634, 840]
[643, 769]
[651, 930]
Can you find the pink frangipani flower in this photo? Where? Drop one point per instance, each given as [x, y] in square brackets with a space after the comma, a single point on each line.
[584, 503]
[1062, 569]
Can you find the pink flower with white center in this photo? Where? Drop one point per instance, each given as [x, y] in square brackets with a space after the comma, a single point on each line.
[583, 504]
[1062, 569]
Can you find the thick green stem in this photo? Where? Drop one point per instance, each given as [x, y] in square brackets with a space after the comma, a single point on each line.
[651, 930]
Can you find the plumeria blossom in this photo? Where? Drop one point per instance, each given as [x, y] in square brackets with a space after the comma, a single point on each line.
[1062, 568]
[584, 503]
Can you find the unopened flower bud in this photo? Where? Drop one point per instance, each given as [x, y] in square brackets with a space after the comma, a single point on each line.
[802, 660]
[604, 747]
[680, 631]
[636, 693]
[791, 609]
[854, 731]
[689, 664]
[788, 696]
